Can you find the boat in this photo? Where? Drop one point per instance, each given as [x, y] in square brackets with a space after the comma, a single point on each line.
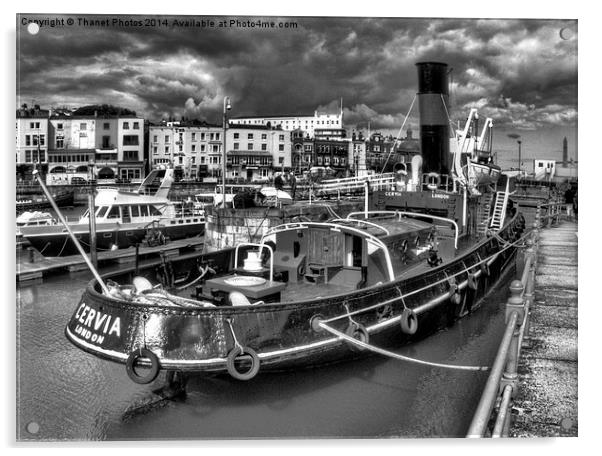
[32, 218]
[124, 219]
[34, 201]
[241, 196]
[311, 292]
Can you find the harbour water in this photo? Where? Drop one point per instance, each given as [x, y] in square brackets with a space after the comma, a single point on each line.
[64, 393]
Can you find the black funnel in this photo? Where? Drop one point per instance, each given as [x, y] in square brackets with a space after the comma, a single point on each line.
[433, 102]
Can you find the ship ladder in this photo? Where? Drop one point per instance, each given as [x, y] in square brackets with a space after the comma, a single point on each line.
[499, 209]
[483, 217]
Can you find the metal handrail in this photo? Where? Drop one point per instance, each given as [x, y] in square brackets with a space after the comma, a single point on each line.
[502, 383]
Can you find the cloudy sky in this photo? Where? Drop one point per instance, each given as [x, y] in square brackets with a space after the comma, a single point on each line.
[522, 73]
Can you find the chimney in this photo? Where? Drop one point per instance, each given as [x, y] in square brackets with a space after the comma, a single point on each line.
[565, 152]
[433, 98]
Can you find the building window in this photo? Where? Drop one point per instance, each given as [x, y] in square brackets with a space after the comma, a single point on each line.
[250, 136]
[59, 126]
[155, 150]
[106, 126]
[180, 147]
[202, 160]
[83, 126]
[106, 142]
[130, 140]
[166, 149]
[28, 156]
[136, 125]
[236, 145]
[281, 147]
[126, 125]
[264, 136]
[202, 136]
[194, 136]
[193, 147]
[250, 146]
[215, 148]
[193, 160]
[60, 142]
[264, 147]
[27, 140]
[280, 160]
[217, 135]
[155, 138]
[202, 147]
[281, 137]
[236, 135]
[130, 155]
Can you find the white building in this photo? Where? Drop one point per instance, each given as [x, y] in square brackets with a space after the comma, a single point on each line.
[307, 123]
[31, 136]
[255, 153]
[544, 169]
[195, 149]
[114, 144]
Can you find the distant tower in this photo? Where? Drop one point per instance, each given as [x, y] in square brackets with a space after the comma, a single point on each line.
[565, 152]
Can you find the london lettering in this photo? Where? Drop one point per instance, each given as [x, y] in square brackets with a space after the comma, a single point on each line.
[94, 325]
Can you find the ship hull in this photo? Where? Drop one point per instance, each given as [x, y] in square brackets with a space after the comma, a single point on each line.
[55, 241]
[287, 335]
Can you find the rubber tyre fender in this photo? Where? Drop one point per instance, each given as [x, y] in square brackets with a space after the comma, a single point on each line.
[409, 322]
[131, 361]
[230, 363]
[359, 332]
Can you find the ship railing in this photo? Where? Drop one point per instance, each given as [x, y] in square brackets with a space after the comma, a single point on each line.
[399, 214]
[437, 300]
[370, 238]
[550, 213]
[502, 384]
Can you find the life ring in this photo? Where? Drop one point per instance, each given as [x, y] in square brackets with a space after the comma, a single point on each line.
[231, 360]
[131, 361]
[314, 323]
[433, 180]
[409, 321]
[359, 332]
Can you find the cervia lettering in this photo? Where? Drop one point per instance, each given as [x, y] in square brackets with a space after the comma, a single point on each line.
[97, 321]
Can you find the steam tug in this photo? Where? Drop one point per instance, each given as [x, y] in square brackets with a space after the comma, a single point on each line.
[419, 256]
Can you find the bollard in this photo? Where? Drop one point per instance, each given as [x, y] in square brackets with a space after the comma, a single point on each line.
[515, 304]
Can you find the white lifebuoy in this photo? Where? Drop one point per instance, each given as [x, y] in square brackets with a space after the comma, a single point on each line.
[433, 180]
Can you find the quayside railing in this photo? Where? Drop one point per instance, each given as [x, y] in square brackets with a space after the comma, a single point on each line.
[503, 382]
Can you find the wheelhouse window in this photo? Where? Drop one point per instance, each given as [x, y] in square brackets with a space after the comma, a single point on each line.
[114, 212]
[102, 211]
[135, 211]
[154, 210]
[144, 211]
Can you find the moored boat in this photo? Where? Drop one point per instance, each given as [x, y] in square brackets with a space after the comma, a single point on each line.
[123, 219]
[308, 292]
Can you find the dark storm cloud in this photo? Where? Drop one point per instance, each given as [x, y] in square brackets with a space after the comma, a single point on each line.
[519, 70]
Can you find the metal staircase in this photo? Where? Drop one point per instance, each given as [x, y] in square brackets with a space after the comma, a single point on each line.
[499, 208]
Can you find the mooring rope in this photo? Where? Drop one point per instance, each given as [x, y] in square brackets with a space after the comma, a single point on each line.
[390, 354]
